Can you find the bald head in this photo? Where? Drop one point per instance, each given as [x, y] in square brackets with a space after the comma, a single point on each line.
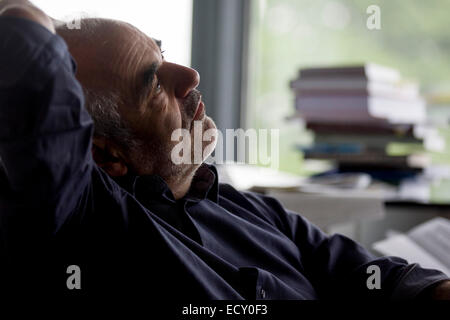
[104, 50]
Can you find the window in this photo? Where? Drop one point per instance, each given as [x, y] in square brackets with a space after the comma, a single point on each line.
[286, 35]
[155, 18]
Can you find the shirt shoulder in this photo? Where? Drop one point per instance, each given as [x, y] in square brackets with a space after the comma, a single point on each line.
[258, 205]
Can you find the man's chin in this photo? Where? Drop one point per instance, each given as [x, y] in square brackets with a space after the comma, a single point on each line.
[203, 132]
[211, 139]
[208, 123]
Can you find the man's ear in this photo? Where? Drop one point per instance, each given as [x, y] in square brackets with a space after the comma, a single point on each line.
[107, 156]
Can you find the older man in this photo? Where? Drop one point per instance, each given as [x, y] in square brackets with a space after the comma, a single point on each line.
[108, 212]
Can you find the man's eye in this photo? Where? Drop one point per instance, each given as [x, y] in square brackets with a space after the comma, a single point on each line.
[158, 87]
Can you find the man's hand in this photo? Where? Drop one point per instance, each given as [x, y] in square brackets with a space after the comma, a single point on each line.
[24, 9]
[441, 291]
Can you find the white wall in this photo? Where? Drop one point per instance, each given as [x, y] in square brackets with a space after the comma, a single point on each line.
[168, 20]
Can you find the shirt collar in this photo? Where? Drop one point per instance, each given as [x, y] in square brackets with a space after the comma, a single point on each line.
[151, 188]
[204, 184]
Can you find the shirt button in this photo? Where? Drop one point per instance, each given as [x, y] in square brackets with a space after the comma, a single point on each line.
[262, 293]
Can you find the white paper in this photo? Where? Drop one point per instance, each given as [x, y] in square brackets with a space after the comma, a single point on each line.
[434, 237]
[402, 246]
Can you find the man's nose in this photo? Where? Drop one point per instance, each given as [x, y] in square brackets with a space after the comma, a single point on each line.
[183, 79]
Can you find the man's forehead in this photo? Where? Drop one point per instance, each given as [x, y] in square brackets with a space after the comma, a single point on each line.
[116, 31]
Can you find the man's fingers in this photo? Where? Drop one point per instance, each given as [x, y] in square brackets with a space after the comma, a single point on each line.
[28, 12]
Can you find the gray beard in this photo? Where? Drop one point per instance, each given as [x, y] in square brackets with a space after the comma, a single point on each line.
[153, 157]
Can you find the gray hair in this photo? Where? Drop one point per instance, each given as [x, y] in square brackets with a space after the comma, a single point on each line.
[104, 110]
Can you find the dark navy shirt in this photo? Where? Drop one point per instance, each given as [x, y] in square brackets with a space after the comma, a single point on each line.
[129, 235]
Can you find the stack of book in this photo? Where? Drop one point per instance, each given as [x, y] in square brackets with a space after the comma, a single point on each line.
[365, 119]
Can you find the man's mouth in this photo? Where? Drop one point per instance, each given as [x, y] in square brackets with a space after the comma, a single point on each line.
[194, 109]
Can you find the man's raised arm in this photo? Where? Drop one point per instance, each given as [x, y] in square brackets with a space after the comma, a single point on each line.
[45, 134]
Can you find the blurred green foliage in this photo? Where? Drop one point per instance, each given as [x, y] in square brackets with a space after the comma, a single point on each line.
[287, 35]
